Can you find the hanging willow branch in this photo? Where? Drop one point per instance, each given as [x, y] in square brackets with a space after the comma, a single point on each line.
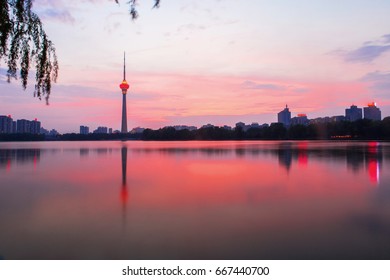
[23, 42]
[133, 7]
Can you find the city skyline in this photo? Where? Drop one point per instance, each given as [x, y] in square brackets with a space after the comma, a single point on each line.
[353, 113]
[211, 62]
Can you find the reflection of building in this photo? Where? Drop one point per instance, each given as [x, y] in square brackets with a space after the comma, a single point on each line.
[285, 155]
[84, 129]
[372, 112]
[20, 156]
[355, 160]
[353, 113]
[373, 161]
[284, 117]
[302, 153]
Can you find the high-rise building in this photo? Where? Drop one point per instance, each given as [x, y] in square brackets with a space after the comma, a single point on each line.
[6, 124]
[124, 86]
[353, 113]
[14, 127]
[23, 126]
[372, 112]
[84, 129]
[284, 117]
[35, 127]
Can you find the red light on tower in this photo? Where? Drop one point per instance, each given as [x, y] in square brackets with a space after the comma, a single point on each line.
[124, 86]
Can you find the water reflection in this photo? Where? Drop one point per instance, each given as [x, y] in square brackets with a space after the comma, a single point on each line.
[356, 155]
[8, 157]
[124, 193]
[195, 200]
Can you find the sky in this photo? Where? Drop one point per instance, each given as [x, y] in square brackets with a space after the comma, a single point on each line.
[193, 62]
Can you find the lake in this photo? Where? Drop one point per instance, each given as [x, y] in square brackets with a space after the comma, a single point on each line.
[195, 200]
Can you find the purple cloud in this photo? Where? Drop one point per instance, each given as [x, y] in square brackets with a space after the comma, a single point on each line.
[379, 81]
[366, 53]
[253, 85]
[57, 14]
[386, 38]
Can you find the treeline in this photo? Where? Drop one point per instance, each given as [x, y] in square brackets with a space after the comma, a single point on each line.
[98, 137]
[15, 137]
[359, 130]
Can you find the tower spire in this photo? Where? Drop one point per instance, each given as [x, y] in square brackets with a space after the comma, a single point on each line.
[124, 66]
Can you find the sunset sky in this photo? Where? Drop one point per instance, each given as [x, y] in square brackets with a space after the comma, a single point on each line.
[208, 61]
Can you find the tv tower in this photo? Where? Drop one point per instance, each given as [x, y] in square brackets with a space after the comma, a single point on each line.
[124, 86]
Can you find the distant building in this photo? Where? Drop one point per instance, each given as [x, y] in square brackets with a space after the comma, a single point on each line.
[182, 127]
[101, 130]
[372, 112]
[300, 119]
[208, 126]
[337, 118]
[26, 126]
[136, 130]
[84, 130]
[44, 131]
[320, 120]
[53, 132]
[6, 124]
[110, 130]
[227, 127]
[14, 130]
[23, 126]
[35, 127]
[327, 119]
[240, 124]
[284, 117]
[353, 113]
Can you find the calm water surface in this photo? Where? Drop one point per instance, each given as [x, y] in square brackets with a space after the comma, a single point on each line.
[195, 200]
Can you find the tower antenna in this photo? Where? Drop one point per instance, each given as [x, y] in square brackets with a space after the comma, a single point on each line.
[124, 65]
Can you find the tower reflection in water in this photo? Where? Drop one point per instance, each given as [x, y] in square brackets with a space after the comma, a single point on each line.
[124, 195]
